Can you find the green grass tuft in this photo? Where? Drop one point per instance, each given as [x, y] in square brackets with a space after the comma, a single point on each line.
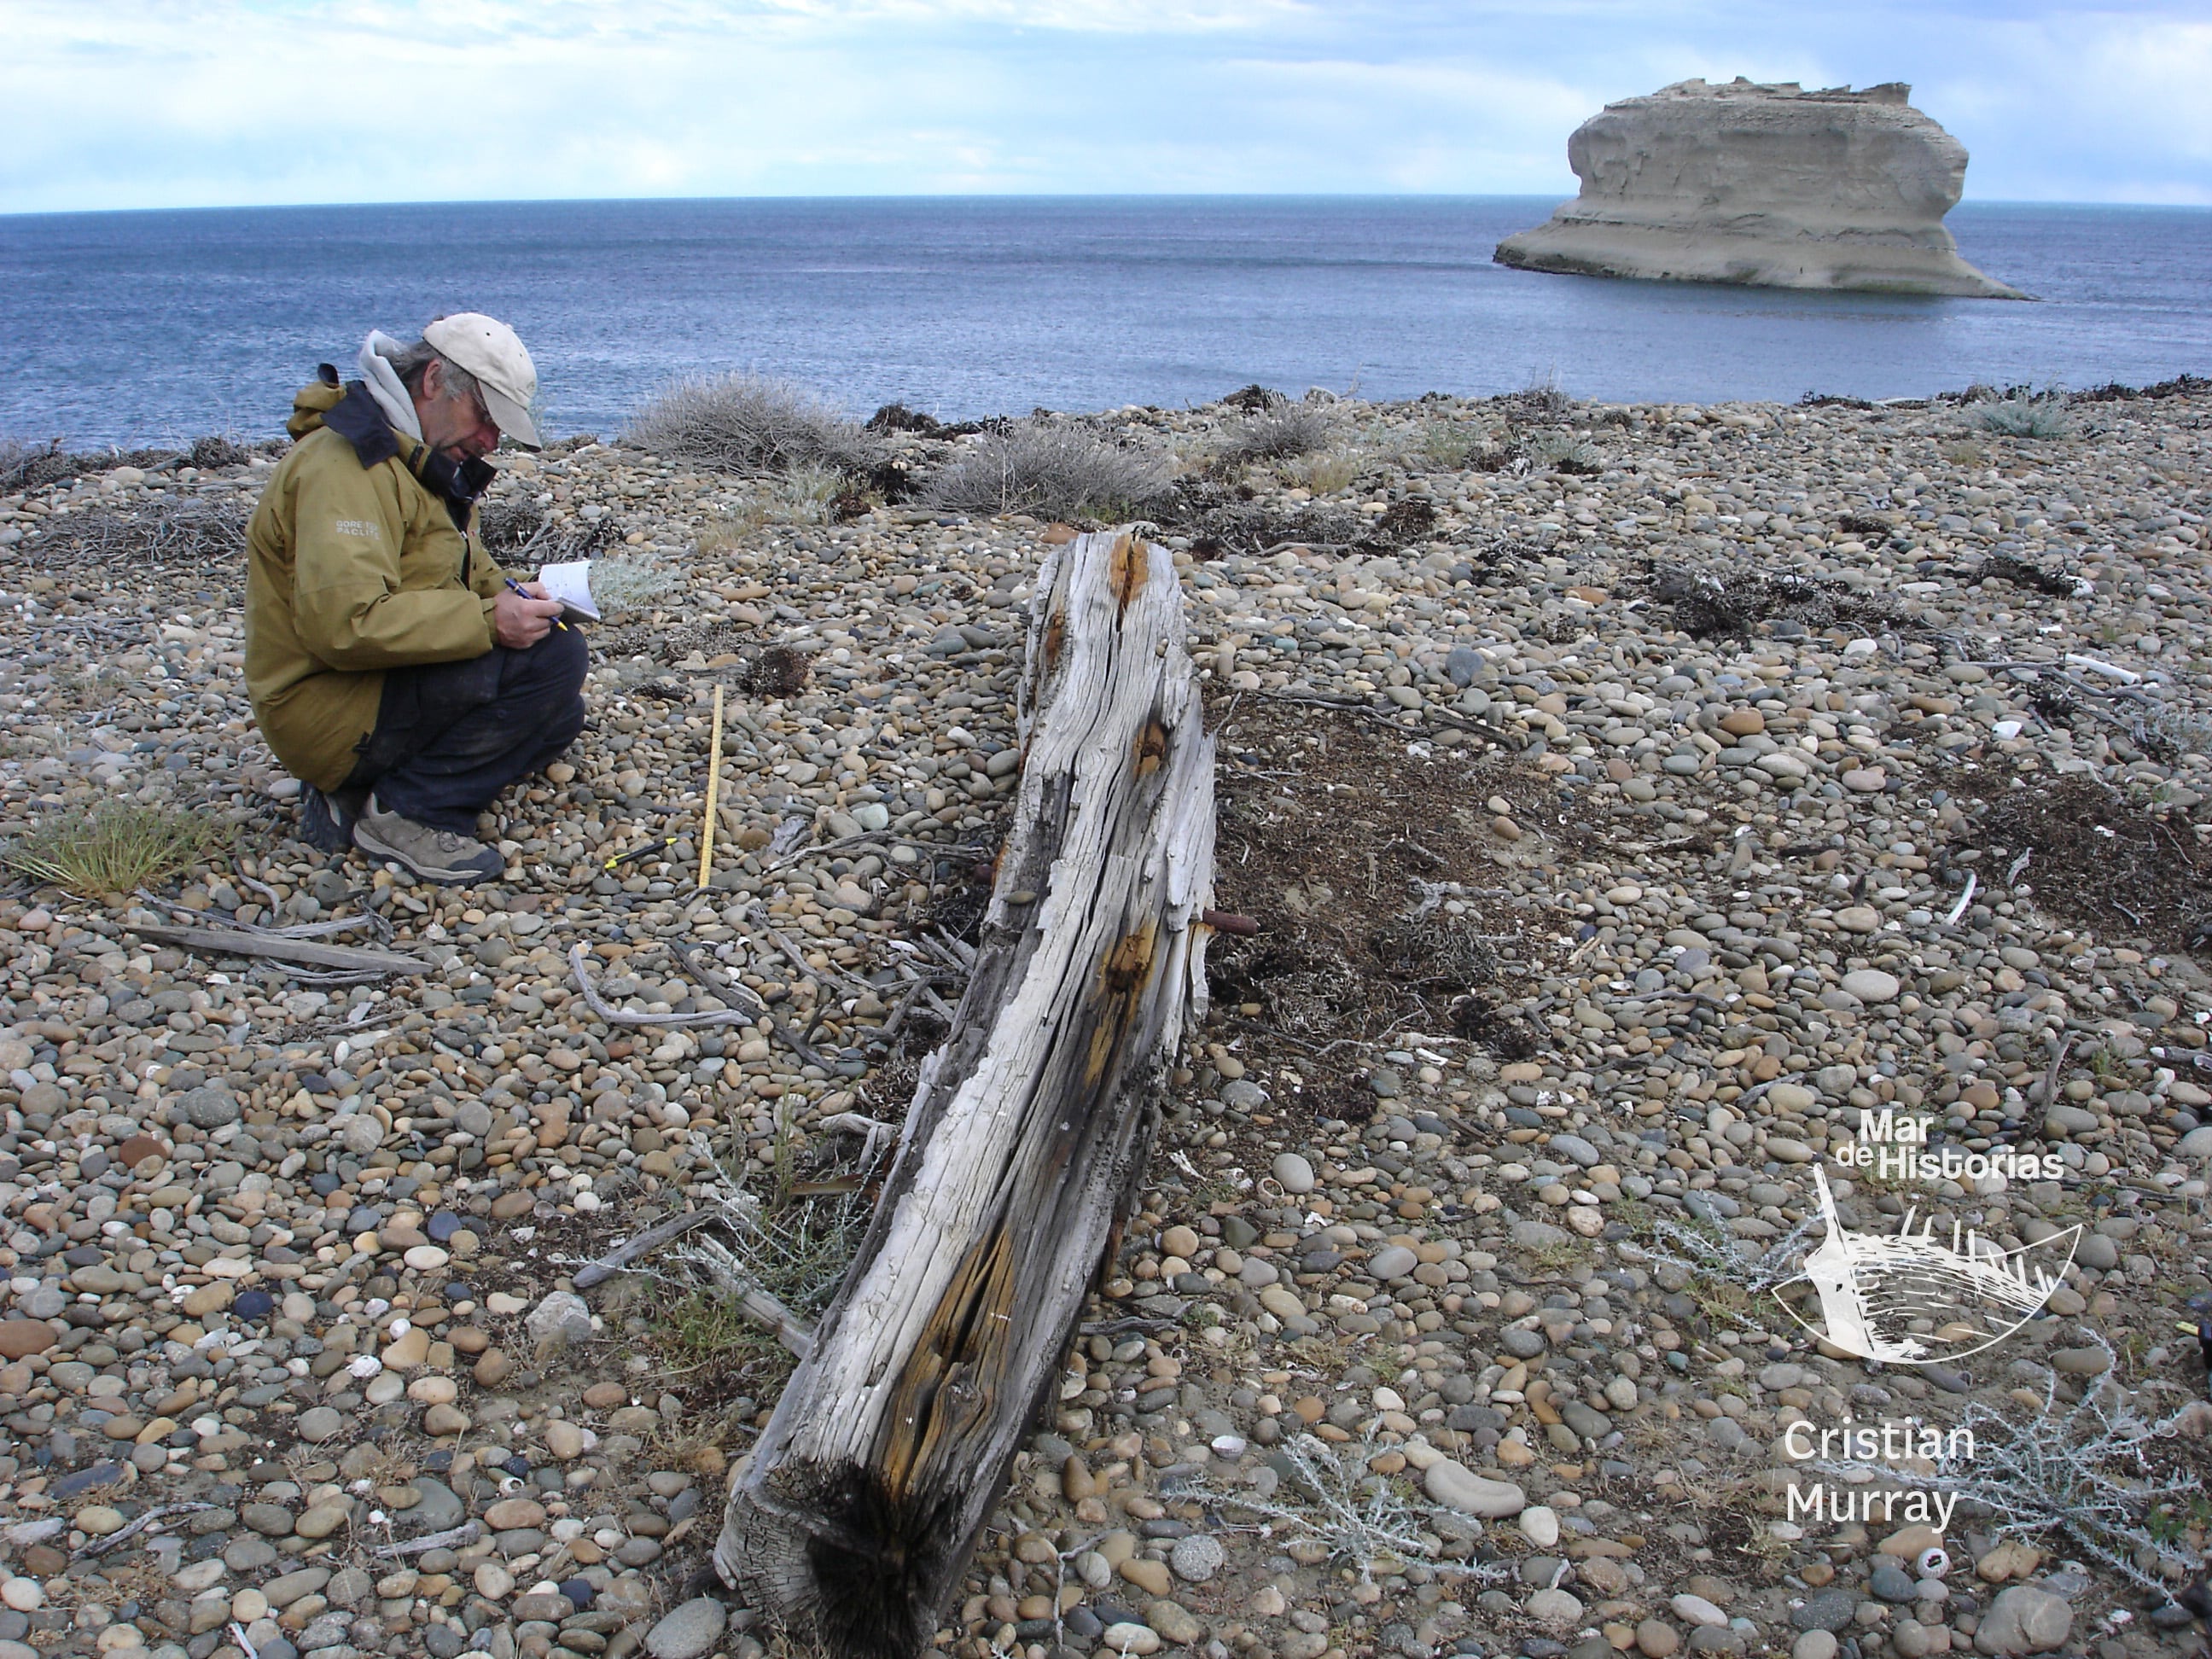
[116, 848]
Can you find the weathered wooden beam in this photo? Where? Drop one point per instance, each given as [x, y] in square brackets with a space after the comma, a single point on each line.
[854, 1519]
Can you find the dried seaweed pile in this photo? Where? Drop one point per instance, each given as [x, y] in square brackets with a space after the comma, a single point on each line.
[1708, 605]
[1224, 520]
[207, 530]
[2081, 851]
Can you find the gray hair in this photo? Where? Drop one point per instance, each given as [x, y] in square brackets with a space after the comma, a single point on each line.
[413, 362]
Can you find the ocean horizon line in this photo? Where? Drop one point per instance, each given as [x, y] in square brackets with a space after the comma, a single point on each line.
[1970, 204]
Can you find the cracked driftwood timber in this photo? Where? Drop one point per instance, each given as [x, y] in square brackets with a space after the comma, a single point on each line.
[856, 1513]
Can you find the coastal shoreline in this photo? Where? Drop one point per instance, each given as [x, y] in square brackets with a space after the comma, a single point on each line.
[1631, 796]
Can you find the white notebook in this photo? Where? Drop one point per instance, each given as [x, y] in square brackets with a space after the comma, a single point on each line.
[571, 584]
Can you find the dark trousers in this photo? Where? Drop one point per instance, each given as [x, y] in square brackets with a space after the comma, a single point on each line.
[450, 736]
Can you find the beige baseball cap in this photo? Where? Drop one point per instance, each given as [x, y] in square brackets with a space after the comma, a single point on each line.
[489, 349]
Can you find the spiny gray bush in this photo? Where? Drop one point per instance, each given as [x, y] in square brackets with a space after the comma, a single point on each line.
[790, 1248]
[2096, 1472]
[1062, 471]
[1333, 1496]
[749, 424]
[2021, 413]
[1279, 433]
[632, 581]
[1565, 452]
[1451, 445]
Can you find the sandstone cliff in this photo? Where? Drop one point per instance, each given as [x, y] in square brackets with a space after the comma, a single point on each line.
[1769, 186]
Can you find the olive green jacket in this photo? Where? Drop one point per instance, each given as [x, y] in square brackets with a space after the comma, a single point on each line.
[356, 564]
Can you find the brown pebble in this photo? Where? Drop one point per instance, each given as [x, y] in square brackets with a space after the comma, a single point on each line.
[138, 1149]
[492, 1367]
[468, 1339]
[1150, 1576]
[512, 1512]
[606, 1397]
[1076, 1482]
[20, 1337]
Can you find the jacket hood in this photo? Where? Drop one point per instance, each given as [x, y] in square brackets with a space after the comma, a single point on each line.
[313, 401]
[354, 412]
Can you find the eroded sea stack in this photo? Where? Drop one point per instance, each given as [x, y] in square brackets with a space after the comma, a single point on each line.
[1772, 186]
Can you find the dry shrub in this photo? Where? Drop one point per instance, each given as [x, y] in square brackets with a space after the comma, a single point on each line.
[1278, 433]
[1326, 473]
[749, 424]
[1057, 470]
[518, 533]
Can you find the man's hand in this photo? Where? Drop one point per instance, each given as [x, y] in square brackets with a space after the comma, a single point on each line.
[518, 622]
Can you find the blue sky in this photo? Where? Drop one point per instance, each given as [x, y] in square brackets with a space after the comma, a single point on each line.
[131, 103]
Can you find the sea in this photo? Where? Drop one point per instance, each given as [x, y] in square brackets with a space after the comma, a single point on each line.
[154, 328]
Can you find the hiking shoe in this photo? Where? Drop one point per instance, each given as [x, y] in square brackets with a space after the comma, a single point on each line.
[326, 817]
[441, 857]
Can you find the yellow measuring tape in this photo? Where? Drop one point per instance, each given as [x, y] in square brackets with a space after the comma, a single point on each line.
[713, 787]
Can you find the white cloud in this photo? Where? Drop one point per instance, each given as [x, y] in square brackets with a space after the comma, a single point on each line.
[244, 101]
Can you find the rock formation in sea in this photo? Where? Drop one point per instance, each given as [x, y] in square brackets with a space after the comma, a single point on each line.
[1768, 185]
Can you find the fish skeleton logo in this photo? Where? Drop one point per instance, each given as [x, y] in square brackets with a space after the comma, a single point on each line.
[1910, 1299]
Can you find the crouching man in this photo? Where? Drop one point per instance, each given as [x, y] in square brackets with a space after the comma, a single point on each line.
[394, 668]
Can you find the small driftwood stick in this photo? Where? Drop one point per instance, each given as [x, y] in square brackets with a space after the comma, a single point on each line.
[614, 1015]
[823, 976]
[873, 1133]
[630, 1248]
[788, 1327]
[465, 1533]
[101, 1545]
[310, 954]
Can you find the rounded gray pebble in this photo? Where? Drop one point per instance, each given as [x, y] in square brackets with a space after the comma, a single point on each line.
[688, 1631]
[1196, 1559]
[320, 1423]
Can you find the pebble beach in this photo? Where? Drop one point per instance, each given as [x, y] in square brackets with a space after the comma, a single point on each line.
[1723, 773]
